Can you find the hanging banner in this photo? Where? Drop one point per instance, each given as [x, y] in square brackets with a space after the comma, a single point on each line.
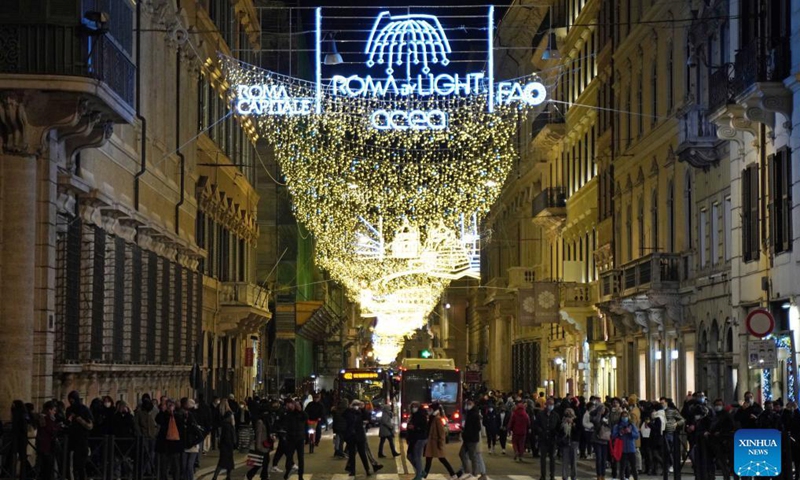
[539, 304]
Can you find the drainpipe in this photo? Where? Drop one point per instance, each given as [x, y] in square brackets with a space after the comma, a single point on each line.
[143, 148]
[178, 139]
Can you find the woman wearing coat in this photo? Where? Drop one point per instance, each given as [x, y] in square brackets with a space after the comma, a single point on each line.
[491, 420]
[387, 431]
[518, 425]
[436, 440]
[227, 444]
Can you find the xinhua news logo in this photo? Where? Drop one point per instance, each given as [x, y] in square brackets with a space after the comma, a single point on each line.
[757, 453]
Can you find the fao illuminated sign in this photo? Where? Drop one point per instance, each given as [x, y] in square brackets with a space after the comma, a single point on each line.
[409, 55]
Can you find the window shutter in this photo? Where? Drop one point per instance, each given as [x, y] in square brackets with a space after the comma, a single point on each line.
[754, 217]
[773, 209]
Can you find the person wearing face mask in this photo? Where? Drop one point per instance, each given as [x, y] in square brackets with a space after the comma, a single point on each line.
[417, 438]
[588, 426]
[295, 423]
[46, 441]
[720, 434]
[491, 421]
[436, 440]
[628, 433]
[356, 438]
[769, 418]
[518, 425]
[747, 416]
[547, 425]
[700, 448]
[123, 427]
[470, 453]
[791, 422]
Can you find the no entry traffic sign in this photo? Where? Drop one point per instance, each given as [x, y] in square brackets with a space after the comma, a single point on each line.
[760, 323]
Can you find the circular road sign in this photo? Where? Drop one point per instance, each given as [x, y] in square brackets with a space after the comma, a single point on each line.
[760, 323]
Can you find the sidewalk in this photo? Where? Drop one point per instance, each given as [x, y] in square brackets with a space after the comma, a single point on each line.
[208, 463]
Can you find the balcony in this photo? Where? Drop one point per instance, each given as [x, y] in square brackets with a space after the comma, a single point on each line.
[36, 55]
[244, 306]
[763, 60]
[657, 271]
[521, 277]
[720, 92]
[577, 295]
[550, 207]
[609, 284]
[697, 138]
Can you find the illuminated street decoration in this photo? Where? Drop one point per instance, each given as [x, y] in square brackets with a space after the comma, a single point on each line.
[391, 175]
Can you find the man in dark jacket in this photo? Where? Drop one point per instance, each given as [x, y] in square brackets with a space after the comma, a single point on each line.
[339, 429]
[79, 426]
[720, 434]
[316, 413]
[204, 417]
[747, 416]
[417, 436]
[546, 425]
[356, 438]
[295, 422]
[470, 443]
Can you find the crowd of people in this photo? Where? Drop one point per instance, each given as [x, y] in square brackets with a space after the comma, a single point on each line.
[625, 436]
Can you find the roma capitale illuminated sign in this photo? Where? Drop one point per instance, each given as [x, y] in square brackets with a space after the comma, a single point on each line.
[408, 48]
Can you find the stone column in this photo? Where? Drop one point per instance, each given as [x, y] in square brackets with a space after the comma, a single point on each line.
[36, 129]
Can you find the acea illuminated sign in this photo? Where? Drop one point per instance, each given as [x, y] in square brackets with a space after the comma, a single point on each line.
[409, 55]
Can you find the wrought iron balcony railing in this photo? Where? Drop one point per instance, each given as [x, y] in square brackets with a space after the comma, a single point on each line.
[66, 50]
[695, 127]
[553, 197]
[720, 92]
[762, 60]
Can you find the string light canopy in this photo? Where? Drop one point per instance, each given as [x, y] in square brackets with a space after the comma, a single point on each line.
[391, 171]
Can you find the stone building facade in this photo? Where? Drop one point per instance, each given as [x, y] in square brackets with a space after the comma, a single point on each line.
[656, 190]
[104, 187]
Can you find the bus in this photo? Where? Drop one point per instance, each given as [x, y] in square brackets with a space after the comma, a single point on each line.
[373, 385]
[427, 381]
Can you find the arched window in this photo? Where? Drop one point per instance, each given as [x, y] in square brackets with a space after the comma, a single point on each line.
[670, 76]
[629, 232]
[703, 347]
[640, 219]
[671, 217]
[687, 208]
[713, 337]
[729, 339]
[654, 218]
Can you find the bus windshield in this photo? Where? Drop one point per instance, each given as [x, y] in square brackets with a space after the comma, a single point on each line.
[372, 390]
[427, 386]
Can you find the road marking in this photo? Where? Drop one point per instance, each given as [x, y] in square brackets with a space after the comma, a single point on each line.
[400, 461]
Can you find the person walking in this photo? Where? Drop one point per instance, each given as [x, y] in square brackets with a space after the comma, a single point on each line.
[263, 445]
[504, 417]
[339, 429]
[491, 422]
[46, 441]
[356, 438]
[519, 425]
[168, 442]
[547, 426]
[296, 424]
[192, 435]
[569, 440]
[470, 452]
[417, 437]
[79, 425]
[436, 440]
[720, 434]
[226, 443]
[588, 426]
[627, 432]
[600, 439]
[386, 431]
[147, 431]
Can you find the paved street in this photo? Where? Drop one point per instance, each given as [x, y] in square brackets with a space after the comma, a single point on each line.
[322, 466]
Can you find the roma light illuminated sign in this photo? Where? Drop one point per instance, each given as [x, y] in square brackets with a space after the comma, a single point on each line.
[413, 52]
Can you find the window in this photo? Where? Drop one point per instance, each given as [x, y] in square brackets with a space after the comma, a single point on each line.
[715, 234]
[780, 180]
[687, 208]
[727, 228]
[671, 217]
[654, 219]
[641, 226]
[654, 93]
[640, 104]
[670, 77]
[750, 218]
[701, 235]
[629, 232]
